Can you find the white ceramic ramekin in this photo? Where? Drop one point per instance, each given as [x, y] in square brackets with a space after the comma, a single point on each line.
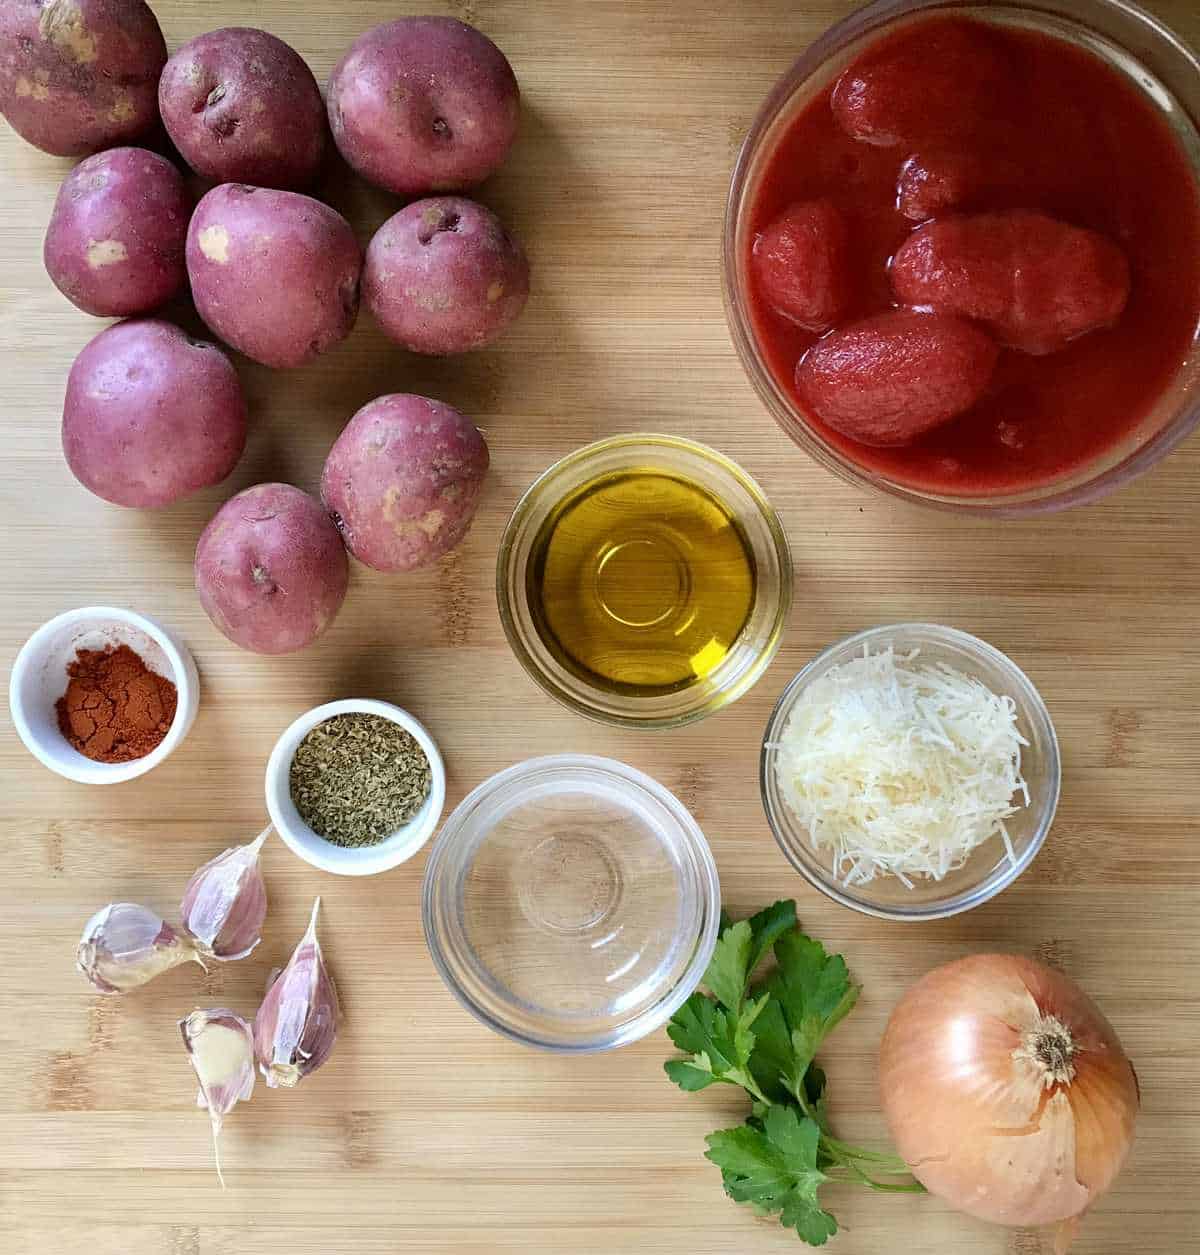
[363, 860]
[39, 679]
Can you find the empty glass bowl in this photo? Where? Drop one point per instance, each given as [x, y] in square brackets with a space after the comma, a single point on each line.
[571, 903]
[763, 538]
[989, 869]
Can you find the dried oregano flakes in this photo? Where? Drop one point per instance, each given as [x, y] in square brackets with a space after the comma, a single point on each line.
[356, 778]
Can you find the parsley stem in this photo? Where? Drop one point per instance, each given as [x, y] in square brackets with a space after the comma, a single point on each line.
[914, 1187]
[883, 1161]
[845, 1154]
[801, 1097]
[750, 1085]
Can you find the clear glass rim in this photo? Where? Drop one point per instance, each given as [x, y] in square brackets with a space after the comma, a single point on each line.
[694, 844]
[1020, 504]
[713, 700]
[969, 898]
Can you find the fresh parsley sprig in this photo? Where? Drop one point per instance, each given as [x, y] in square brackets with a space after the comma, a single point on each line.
[764, 1038]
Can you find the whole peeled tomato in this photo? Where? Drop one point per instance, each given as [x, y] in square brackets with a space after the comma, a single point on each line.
[890, 379]
[243, 107]
[803, 263]
[115, 242]
[932, 83]
[79, 75]
[274, 274]
[403, 479]
[151, 415]
[938, 181]
[271, 569]
[444, 276]
[424, 104]
[1035, 281]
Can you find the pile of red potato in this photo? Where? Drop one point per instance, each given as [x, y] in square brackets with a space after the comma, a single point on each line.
[425, 107]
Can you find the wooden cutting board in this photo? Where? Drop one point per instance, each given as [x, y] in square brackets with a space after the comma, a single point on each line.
[426, 1133]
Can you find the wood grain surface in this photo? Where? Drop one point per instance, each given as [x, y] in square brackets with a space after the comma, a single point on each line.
[426, 1133]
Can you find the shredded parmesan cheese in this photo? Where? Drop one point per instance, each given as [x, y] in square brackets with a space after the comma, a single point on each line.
[901, 768]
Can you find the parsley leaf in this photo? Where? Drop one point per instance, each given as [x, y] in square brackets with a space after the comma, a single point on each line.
[720, 1042]
[775, 1168]
[729, 965]
[741, 947]
[700, 1027]
[767, 927]
[690, 1076]
[773, 1061]
[816, 993]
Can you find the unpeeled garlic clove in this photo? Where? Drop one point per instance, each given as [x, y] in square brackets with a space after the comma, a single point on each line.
[220, 1049]
[296, 1026]
[225, 902]
[125, 945]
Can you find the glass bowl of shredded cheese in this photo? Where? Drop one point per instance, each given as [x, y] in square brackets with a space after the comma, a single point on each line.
[910, 771]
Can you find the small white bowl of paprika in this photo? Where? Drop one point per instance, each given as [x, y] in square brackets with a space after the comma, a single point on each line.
[115, 661]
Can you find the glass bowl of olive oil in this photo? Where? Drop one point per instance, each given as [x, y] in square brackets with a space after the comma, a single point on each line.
[644, 581]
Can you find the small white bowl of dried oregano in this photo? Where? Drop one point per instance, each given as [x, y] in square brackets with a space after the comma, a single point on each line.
[356, 787]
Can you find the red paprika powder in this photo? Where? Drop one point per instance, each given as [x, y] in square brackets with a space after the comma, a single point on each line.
[115, 708]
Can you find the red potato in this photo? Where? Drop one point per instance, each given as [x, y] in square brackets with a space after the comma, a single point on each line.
[940, 81]
[444, 276]
[114, 245]
[889, 379]
[151, 415]
[424, 104]
[274, 274]
[403, 479]
[802, 264]
[243, 107]
[1036, 282]
[79, 75]
[271, 570]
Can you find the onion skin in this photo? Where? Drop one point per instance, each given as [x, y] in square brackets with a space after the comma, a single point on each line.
[984, 1125]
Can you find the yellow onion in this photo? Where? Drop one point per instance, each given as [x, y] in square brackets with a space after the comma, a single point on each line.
[1007, 1092]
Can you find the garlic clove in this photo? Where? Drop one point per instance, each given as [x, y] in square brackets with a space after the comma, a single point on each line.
[125, 945]
[225, 902]
[296, 1026]
[220, 1049]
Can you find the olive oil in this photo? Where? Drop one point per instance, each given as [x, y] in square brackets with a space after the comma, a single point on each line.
[640, 582]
